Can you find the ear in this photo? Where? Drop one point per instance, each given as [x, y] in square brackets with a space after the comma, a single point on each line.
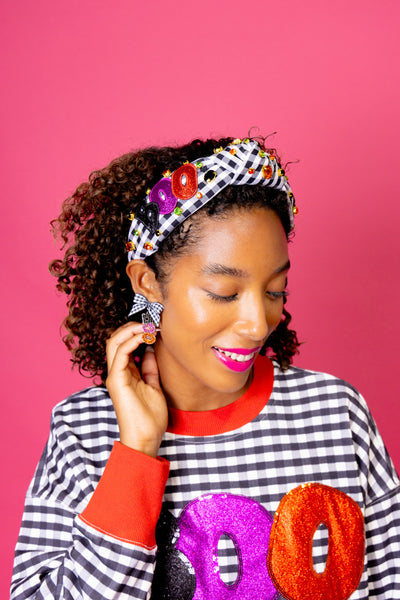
[143, 280]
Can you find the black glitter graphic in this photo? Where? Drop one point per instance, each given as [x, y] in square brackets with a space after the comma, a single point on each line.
[172, 579]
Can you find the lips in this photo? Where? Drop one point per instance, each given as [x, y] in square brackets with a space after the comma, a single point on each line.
[236, 359]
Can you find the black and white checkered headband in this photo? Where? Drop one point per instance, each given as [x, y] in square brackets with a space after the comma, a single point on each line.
[179, 194]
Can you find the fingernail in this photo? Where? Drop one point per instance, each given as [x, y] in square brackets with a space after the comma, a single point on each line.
[149, 349]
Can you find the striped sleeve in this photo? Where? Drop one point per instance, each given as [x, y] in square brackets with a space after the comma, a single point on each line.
[381, 486]
[382, 524]
[104, 549]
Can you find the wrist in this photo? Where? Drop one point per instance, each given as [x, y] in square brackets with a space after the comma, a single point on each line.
[127, 500]
[149, 447]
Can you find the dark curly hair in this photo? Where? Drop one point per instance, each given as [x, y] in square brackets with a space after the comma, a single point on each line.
[94, 225]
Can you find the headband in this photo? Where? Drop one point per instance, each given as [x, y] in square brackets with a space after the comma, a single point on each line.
[179, 194]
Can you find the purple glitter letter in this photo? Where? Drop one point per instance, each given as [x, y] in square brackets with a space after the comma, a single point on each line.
[162, 195]
[201, 525]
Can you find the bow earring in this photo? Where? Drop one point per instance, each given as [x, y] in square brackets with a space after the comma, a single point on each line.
[150, 319]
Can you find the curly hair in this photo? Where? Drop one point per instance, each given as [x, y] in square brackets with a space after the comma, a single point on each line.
[93, 226]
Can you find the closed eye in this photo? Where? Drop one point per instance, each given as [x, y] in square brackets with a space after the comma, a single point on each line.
[218, 298]
[283, 294]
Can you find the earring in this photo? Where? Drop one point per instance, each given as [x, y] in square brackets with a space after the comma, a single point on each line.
[150, 319]
[149, 330]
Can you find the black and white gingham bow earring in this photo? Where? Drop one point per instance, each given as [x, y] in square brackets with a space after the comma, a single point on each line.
[150, 319]
[153, 308]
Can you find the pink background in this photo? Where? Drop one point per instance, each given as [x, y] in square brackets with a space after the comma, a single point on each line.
[88, 80]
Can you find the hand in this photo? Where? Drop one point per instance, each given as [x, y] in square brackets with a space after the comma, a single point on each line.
[138, 400]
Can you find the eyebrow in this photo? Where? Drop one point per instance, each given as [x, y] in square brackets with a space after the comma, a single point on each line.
[219, 269]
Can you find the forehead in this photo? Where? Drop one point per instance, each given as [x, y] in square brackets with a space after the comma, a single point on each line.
[250, 240]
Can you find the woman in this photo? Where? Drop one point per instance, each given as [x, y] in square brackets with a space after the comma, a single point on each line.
[235, 476]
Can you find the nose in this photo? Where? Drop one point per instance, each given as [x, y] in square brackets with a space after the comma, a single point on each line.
[252, 319]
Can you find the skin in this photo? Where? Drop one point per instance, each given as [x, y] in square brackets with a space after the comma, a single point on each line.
[227, 292]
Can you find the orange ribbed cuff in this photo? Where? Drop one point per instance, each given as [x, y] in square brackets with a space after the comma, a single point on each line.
[127, 501]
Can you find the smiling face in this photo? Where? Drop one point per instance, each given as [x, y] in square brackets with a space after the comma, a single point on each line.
[222, 300]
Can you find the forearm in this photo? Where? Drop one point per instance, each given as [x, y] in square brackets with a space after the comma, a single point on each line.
[93, 566]
[106, 552]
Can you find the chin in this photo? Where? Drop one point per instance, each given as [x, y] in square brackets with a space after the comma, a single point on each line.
[231, 383]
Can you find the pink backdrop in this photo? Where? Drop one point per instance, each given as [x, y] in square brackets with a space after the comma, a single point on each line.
[86, 81]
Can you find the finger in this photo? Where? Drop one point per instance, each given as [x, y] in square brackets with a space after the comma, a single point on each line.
[133, 326]
[149, 369]
[119, 356]
[121, 335]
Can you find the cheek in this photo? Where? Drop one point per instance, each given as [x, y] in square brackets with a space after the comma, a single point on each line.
[198, 309]
[194, 311]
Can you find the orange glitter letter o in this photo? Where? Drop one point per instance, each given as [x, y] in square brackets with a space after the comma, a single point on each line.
[290, 561]
[184, 181]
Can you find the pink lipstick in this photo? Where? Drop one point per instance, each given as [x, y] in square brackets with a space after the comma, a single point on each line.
[236, 359]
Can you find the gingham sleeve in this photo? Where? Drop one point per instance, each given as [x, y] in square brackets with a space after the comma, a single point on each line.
[104, 549]
[381, 486]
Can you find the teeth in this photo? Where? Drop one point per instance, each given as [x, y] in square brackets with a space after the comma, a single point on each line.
[238, 357]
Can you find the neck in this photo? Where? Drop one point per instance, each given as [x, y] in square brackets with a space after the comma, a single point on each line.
[184, 392]
[196, 400]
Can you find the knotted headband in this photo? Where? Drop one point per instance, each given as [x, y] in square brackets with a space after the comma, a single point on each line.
[179, 194]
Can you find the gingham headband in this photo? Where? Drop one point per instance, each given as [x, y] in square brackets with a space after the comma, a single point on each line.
[181, 193]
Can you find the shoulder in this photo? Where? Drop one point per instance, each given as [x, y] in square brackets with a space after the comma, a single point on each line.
[83, 403]
[307, 386]
[329, 408]
[85, 413]
[296, 377]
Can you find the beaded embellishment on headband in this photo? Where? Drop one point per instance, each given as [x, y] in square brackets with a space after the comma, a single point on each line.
[181, 193]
